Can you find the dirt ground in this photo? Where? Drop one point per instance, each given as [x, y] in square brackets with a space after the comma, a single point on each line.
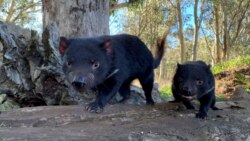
[227, 82]
[163, 122]
[122, 122]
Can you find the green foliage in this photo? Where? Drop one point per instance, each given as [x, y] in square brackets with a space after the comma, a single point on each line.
[221, 98]
[166, 92]
[240, 78]
[247, 90]
[231, 64]
[242, 81]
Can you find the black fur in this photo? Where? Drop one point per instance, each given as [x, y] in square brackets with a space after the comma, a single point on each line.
[195, 80]
[109, 63]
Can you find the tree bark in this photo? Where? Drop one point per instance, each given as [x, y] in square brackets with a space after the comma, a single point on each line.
[181, 38]
[77, 18]
[196, 31]
[225, 33]
[208, 48]
[30, 70]
[217, 39]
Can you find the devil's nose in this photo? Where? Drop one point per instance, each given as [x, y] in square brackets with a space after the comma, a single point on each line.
[186, 90]
[79, 82]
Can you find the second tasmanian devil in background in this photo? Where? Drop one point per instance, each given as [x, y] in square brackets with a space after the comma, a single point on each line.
[110, 64]
[195, 80]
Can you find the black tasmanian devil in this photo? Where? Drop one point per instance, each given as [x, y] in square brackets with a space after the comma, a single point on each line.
[109, 63]
[195, 80]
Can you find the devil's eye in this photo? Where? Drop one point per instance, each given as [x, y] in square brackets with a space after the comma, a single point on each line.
[199, 82]
[95, 64]
[69, 63]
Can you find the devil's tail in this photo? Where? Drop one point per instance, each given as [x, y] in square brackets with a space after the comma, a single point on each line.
[159, 51]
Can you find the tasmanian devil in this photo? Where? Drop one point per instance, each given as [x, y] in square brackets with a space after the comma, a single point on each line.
[109, 64]
[195, 80]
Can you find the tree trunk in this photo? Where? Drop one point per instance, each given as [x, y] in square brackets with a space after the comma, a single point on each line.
[181, 38]
[196, 31]
[225, 33]
[217, 40]
[77, 18]
[210, 51]
[30, 70]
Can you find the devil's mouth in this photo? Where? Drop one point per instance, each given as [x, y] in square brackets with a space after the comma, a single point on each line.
[187, 97]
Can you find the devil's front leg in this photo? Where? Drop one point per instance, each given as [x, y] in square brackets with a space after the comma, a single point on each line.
[105, 92]
[205, 104]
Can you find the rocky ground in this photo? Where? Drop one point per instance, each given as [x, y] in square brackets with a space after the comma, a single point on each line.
[135, 121]
[162, 122]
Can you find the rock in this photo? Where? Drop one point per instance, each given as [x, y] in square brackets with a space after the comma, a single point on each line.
[229, 104]
[153, 137]
[1, 54]
[248, 120]
[239, 93]
[248, 138]
[29, 67]
[225, 104]
[7, 104]
[2, 98]
[137, 96]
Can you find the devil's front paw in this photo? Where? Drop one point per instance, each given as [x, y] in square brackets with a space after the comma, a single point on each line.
[190, 107]
[94, 108]
[150, 102]
[201, 115]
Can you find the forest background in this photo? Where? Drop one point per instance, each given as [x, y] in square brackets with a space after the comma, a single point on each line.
[215, 31]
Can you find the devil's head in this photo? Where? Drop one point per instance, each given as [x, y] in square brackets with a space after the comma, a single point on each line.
[85, 61]
[193, 79]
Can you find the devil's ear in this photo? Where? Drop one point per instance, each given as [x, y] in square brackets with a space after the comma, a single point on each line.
[178, 65]
[63, 44]
[107, 45]
[209, 66]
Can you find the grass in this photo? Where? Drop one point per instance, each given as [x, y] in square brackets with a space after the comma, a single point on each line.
[247, 90]
[243, 81]
[231, 64]
[166, 92]
[221, 97]
[240, 79]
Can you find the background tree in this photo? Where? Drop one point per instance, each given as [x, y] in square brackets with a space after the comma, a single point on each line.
[217, 31]
[196, 30]
[225, 31]
[237, 12]
[180, 26]
[77, 18]
[19, 12]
